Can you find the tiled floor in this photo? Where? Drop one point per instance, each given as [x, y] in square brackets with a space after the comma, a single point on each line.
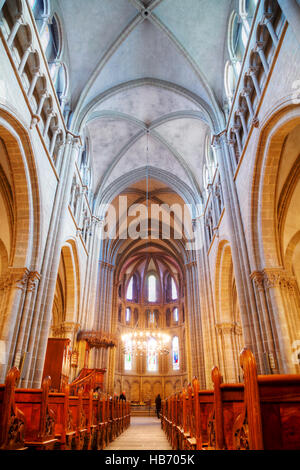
[144, 433]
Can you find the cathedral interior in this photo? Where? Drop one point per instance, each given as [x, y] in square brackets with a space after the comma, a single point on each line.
[149, 193]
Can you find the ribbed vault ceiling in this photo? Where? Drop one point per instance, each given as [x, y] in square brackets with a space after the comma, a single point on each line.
[138, 66]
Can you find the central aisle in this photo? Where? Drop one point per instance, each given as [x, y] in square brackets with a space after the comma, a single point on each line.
[144, 433]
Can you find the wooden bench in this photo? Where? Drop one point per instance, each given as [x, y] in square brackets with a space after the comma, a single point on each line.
[12, 419]
[270, 416]
[227, 406]
[39, 419]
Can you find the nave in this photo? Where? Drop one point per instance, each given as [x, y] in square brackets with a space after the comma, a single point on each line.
[144, 433]
[149, 222]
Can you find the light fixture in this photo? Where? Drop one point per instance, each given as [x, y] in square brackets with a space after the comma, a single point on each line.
[140, 342]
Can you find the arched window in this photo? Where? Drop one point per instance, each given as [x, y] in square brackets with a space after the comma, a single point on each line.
[175, 315]
[229, 81]
[128, 314]
[132, 289]
[175, 353]
[129, 294]
[128, 356]
[50, 39]
[38, 8]
[237, 41]
[174, 290]
[152, 295]
[152, 362]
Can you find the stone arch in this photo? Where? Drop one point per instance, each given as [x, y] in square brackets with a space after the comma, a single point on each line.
[228, 326]
[157, 389]
[147, 391]
[169, 389]
[265, 235]
[66, 301]
[25, 192]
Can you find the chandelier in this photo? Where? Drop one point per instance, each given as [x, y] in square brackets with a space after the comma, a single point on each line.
[139, 342]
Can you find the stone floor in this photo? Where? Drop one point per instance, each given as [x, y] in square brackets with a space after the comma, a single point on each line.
[144, 433]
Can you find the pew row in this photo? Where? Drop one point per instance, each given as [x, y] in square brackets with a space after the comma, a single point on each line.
[263, 412]
[37, 419]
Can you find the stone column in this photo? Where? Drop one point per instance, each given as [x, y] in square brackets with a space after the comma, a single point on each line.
[19, 20]
[56, 131]
[260, 49]
[267, 20]
[49, 119]
[252, 72]
[246, 94]
[41, 103]
[249, 315]
[13, 300]
[27, 52]
[230, 357]
[49, 294]
[278, 284]
[35, 76]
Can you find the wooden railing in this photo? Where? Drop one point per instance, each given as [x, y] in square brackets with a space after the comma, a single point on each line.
[88, 379]
[261, 413]
[41, 420]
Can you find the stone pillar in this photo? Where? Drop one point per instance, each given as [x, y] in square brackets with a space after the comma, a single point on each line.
[56, 131]
[241, 113]
[41, 103]
[249, 315]
[267, 20]
[260, 49]
[14, 288]
[252, 72]
[280, 291]
[35, 76]
[19, 20]
[46, 312]
[49, 119]
[27, 52]
[246, 94]
[49, 253]
[226, 333]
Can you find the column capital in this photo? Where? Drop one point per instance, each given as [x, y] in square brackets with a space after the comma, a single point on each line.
[278, 277]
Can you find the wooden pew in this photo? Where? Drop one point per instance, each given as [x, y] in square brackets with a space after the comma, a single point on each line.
[37, 419]
[270, 417]
[64, 426]
[228, 403]
[12, 419]
[102, 423]
[40, 418]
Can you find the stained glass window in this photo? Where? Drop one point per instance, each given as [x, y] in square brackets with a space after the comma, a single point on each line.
[152, 288]
[129, 294]
[128, 356]
[128, 313]
[152, 356]
[175, 314]
[45, 37]
[175, 351]
[174, 290]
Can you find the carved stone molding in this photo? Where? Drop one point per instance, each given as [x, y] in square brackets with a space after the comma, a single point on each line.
[258, 278]
[273, 277]
[21, 278]
[228, 328]
[278, 277]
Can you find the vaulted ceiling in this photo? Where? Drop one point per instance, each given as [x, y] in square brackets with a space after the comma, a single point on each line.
[146, 83]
